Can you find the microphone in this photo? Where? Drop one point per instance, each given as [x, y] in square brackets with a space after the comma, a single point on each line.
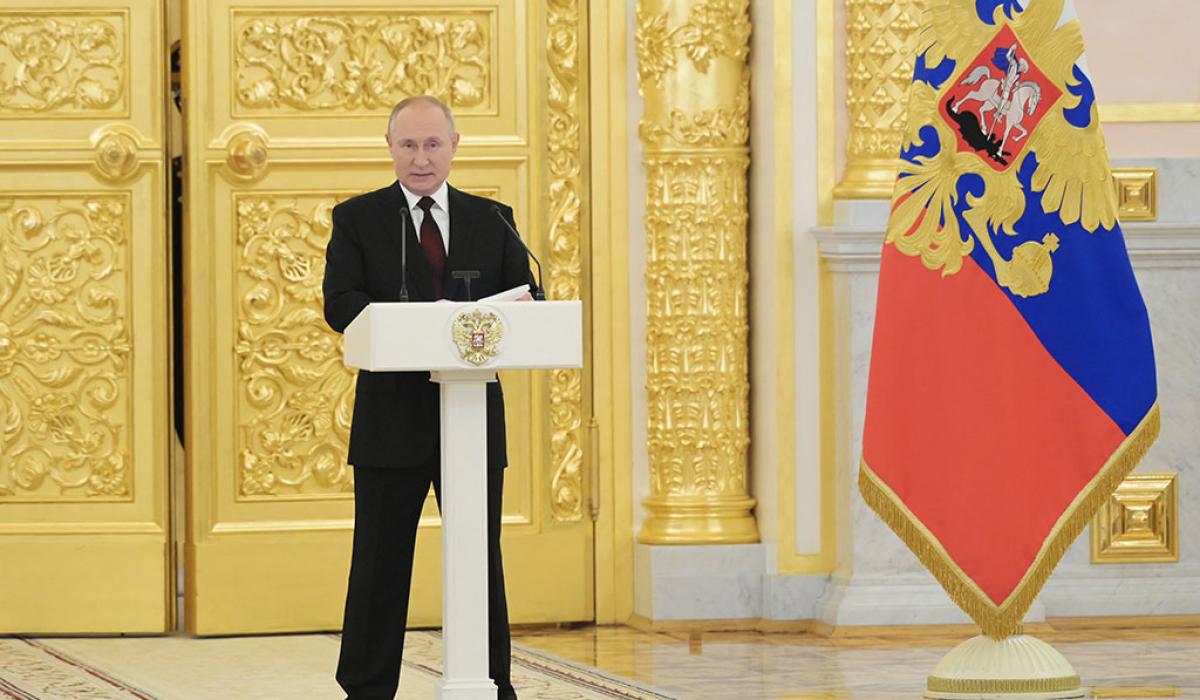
[538, 290]
[403, 253]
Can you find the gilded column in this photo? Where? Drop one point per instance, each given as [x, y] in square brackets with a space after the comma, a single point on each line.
[694, 77]
[880, 40]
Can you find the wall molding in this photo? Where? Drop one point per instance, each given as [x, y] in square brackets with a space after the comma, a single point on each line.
[849, 248]
[1151, 246]
[1163, 245]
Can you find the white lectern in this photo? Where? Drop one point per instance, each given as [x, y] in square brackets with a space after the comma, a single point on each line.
[462, 345]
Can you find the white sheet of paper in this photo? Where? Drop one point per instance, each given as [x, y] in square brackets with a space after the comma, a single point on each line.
[510, 295]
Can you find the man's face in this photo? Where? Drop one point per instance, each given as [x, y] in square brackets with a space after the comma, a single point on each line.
[422, 147]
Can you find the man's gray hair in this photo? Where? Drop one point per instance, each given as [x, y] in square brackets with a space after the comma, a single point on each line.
[421, 99]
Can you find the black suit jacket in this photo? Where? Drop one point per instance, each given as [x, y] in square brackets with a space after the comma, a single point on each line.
[397, 414]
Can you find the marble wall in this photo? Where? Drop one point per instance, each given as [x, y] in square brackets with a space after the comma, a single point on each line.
[1166, 259]
[877, 581]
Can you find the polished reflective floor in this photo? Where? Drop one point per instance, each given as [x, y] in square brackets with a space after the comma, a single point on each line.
[753, 666]
[583, 663]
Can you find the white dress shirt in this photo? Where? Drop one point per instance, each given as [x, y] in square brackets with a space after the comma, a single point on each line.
[440, 211]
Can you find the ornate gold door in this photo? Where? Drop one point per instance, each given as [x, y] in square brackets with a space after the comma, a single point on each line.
[286, 106]
[84, 424]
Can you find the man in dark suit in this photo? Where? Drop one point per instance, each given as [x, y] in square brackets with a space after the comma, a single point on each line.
[394, 436]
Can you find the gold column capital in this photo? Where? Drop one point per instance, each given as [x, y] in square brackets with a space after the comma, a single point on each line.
[692, 73]
[695, 81]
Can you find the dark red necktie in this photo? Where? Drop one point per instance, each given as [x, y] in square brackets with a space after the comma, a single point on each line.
[431, 243]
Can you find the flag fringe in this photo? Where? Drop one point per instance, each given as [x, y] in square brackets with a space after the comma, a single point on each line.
[999, 622]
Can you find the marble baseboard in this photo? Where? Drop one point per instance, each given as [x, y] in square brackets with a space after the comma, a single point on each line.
[718, 582]
[788, 598]
[727, 582]
[1095, 591]
[902, 599]
[698, 582]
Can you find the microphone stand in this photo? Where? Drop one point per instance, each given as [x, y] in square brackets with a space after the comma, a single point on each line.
[403, 253]
[538, 290]
[466, 276]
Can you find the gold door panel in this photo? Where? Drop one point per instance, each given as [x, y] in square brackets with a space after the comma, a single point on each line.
[286, 107]
[84, 424]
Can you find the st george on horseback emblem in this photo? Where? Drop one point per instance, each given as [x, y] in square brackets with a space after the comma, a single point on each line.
[998, 100]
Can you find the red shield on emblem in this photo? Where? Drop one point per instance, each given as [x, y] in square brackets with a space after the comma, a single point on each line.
[478, 340]
[997, 101]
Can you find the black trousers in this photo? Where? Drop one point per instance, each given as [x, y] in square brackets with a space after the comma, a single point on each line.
[387, 509]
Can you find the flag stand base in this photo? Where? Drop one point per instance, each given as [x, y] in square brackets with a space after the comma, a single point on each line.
[1017, 668]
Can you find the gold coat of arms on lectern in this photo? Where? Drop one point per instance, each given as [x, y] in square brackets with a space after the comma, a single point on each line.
[477, 334]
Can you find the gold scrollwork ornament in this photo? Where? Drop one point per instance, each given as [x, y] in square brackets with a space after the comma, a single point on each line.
[364, 61]
[295, 396]
[565, 235]
[54, 64]
[477, 335]
[65, 349]
[714, 29]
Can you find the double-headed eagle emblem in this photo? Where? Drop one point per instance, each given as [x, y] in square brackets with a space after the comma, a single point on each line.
[998, 120]
[477, 334]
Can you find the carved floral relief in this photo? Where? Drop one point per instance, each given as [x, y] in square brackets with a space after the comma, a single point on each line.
[564, 144]
[65, 348]
[347, 62]
[295, 396]
[61, 64]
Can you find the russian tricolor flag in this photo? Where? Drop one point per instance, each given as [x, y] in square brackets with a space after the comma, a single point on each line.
[1012, 382]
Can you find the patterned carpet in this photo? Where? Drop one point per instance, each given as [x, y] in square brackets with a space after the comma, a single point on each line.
[295, 667]
[563, 663]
